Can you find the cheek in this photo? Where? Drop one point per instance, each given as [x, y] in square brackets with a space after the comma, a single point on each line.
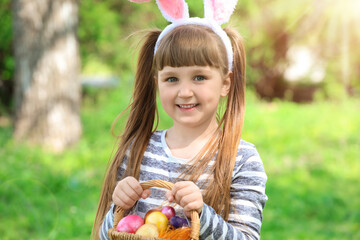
[162, 100]
[215, 91]
[164, 96]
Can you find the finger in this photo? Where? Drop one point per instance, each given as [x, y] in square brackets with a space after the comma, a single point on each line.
[135, 185]
[181, 193]
[124, 204]
[193, 206]
[131, 190]
[187, 199]
[169, 196]
[187, 214]
[120, 197]
[146, 193]
[178, 187]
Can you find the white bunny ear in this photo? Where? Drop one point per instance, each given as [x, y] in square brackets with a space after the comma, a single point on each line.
[173, 10]
[219, 10]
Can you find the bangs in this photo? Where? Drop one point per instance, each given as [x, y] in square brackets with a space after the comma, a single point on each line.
[190, 45]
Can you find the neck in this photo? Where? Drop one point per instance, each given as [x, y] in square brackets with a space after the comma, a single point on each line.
[186, 142]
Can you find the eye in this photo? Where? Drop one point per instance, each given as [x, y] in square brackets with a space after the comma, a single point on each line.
[199, 78]
[171, 79]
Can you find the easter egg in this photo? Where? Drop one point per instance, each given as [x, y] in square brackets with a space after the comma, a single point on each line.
[168, 211]
[150, 211]
[148, 230]
[130, 224]
[178, 222]
[159, 219]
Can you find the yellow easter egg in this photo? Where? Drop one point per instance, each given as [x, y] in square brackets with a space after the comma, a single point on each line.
[148, 230]
[159, 219]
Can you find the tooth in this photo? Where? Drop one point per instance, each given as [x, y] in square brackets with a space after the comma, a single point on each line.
[188, 106]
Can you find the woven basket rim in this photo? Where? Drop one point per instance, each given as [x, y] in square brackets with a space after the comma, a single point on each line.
[132, 236]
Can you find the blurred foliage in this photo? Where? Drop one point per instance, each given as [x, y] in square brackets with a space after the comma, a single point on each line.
[310, 156]
[6, 58]
[273, 28]
[106, 32]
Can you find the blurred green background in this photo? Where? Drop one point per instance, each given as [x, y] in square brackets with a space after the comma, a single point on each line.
[302, 113]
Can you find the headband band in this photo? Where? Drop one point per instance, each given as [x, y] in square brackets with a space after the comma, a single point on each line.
[216, 28]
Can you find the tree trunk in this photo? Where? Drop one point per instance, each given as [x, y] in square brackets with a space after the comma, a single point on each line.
[47, 87]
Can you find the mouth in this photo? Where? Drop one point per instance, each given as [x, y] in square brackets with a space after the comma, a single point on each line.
[187, 106]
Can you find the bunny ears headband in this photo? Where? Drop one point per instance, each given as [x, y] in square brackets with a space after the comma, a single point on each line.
[217, 12]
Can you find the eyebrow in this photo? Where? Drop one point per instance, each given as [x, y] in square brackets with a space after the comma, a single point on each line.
[167, 74]
[171, 73]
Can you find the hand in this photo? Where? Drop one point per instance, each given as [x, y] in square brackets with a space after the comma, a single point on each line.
[127, 192]
[187, 195]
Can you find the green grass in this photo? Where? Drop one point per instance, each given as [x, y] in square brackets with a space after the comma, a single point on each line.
[311, 155]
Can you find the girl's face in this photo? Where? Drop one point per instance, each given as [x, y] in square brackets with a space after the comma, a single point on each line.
[190, 95]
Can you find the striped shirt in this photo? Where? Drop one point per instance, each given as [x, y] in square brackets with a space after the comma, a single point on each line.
[247, 191]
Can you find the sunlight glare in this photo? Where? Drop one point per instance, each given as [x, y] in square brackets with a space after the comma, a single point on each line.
[349, 9]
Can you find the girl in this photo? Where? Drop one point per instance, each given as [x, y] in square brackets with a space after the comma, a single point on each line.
[193, 64]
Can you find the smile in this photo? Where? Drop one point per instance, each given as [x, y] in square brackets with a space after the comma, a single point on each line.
[187, 106]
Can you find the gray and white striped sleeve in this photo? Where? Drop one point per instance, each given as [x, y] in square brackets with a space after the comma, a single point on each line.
[248, 199]
[107, 224]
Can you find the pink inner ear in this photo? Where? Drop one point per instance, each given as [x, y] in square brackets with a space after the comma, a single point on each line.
[219, 10]
[174, 9]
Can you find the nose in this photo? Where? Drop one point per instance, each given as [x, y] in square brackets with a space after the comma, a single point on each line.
[185, 90]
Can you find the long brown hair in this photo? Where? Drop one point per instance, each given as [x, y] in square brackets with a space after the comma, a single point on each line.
[184, 46]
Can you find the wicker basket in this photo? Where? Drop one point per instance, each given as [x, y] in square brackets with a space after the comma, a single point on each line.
[119, 214]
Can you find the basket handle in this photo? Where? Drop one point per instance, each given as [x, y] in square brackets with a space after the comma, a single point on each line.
[195, 220]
